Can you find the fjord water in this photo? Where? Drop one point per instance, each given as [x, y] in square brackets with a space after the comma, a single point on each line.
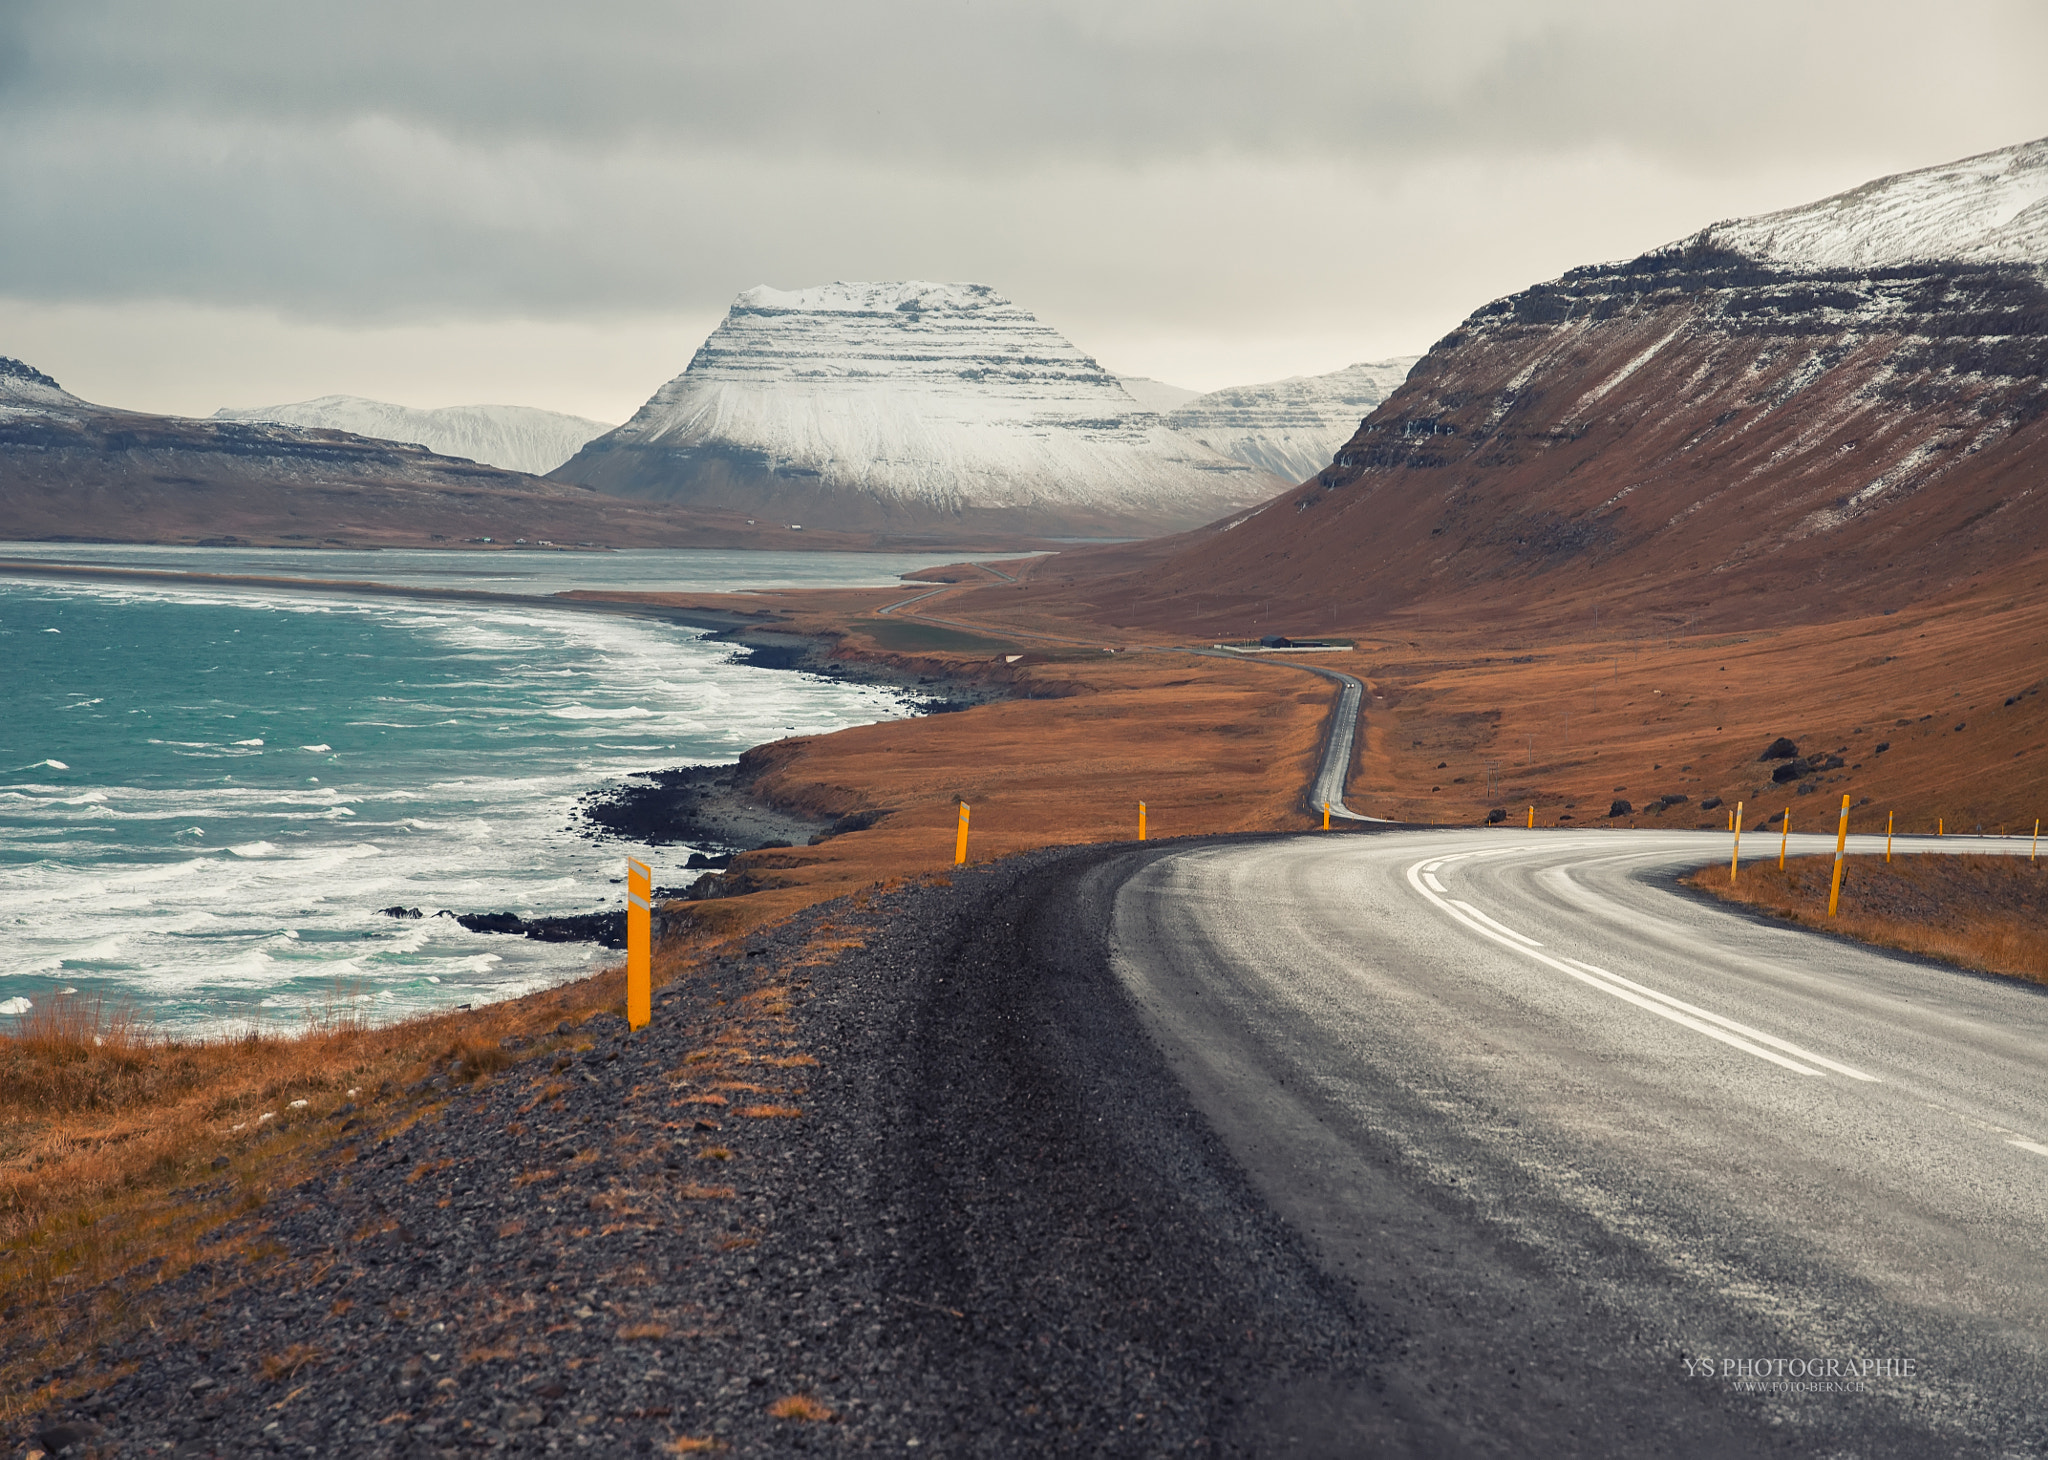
[207, 795]
[635, 570]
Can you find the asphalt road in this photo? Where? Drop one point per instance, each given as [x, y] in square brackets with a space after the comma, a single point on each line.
[1596, 1156]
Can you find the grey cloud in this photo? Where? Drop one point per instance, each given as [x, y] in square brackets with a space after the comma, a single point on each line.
[982, 83]
[381, 161]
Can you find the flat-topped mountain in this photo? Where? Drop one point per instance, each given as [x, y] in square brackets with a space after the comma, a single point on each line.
[1832, 409]
[1290, 428]
[518, 438]
[910, 406]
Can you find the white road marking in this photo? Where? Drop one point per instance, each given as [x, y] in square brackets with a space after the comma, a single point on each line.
[2038, 1150]
[1433, 885]
[1496, 926]
[1611, 985]
[1729, 1024]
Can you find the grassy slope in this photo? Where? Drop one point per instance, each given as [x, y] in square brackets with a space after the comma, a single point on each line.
[1988, 913]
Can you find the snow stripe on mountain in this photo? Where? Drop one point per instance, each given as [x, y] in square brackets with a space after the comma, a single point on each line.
[517, 438]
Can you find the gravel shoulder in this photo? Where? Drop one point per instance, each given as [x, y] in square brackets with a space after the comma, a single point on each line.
[906, 1164]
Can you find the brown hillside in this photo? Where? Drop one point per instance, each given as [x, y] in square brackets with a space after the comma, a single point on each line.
[1687, 439]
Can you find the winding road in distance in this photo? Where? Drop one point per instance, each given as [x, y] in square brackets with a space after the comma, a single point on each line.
[1603, 1151]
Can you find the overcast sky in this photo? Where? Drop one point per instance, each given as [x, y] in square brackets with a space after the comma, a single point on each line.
[207, 204]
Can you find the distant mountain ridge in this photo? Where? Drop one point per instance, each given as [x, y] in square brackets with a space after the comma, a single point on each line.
[1830, 409]
[73, 470]
[1291, 428]
[908, 405]
[517, 438]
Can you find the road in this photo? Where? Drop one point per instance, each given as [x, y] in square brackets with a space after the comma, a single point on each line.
[1334, 767]
[1585, 1145]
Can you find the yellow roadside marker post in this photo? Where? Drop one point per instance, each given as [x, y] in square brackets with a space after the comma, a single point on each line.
[2037, 841]
[1326, 816]
[1841, 841]
[639, 943]
[1735, 855]
[960, 842]
[1532, 818]
[1940, 826]
[1784, 835]
[1141, 820]
[1888, 834]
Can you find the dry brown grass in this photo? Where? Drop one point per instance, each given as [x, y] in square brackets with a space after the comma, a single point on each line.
[691, 1191]
[800, 1407]
[288, 1364]
[123, 1150]
[1988, 913]
[1569, 715]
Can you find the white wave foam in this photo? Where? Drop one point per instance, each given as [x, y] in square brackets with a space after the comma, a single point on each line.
[585, 712]
[100, 950]
[248, 742]
[468, 818]
[16, 1006]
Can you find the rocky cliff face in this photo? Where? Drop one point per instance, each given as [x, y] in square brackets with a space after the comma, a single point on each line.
[1833, 408]
[517, 438]
[909, 405]
[1290, 428]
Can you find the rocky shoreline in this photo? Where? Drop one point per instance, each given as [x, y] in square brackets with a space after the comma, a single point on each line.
[714, 806]
[902, 1173]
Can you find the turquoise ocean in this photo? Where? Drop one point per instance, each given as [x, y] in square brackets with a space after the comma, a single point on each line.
[207, 795]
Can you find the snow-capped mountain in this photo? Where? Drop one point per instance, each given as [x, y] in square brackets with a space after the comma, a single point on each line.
[25, 391]
[518, 438]
[1290, 428]
[1987, 209]
[1828, 410]
[907, 406]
